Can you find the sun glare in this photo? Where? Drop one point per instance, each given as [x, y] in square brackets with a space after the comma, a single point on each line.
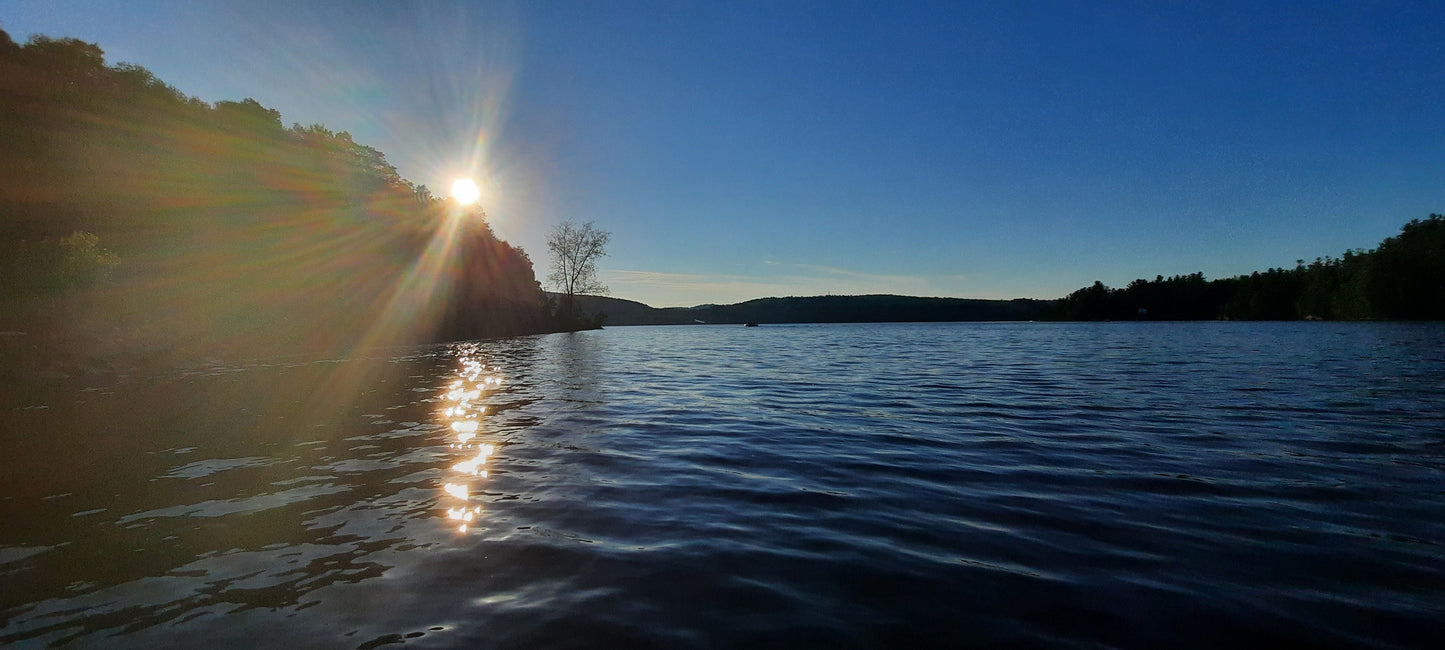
[465, 191]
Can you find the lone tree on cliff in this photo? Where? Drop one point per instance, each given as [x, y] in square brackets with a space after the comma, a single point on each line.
[575, 250]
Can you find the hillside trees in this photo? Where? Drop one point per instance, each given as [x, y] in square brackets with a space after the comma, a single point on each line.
[1402, 279]
[236, 232]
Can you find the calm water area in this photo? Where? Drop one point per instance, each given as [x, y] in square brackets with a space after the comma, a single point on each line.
[1083, 485]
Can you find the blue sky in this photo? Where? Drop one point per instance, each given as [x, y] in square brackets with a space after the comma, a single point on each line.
[747, 149]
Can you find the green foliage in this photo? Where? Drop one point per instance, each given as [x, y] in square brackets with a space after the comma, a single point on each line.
[235, 230]
[53, 266]
[82, 260]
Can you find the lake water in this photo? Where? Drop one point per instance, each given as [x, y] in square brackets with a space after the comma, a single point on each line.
[1008, 484]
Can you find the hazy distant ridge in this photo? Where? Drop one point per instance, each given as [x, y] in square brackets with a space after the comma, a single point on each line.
[822, 309]
[1401, 279]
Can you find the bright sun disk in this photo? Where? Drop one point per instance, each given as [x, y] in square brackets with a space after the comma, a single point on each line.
[465, 191]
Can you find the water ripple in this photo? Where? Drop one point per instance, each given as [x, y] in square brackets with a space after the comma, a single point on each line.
[1069, 485]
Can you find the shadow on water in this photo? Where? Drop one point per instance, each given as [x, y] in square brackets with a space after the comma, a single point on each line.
[572, 361]
[152, 502]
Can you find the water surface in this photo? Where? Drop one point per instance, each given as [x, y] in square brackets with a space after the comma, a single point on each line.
[1069, 485]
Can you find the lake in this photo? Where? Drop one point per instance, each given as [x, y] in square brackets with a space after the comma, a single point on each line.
[966, 484]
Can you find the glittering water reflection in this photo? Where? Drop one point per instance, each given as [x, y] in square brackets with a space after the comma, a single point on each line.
[949, 485]
[463, 417]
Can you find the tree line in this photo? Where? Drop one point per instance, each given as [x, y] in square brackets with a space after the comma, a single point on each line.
[134, 211]
[1401, 279]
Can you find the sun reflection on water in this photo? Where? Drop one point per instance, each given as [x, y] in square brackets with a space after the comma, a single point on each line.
[463, 416]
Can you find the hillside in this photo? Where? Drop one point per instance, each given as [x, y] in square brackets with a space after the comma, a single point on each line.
[631, 312]
[134, 217]
[821, 309]
[1401, 279]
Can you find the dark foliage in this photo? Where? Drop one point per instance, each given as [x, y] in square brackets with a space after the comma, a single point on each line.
[618, 311]
[1402, 279]
[876, 308]
[821, 309]
[231, 231]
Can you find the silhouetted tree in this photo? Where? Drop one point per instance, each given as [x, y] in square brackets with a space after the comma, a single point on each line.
[575, 250]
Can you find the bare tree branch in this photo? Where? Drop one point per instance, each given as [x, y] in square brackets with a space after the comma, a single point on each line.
[575, 250]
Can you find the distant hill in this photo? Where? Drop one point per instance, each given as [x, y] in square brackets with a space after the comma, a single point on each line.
[822, 309]
[1402, 279]
[630, 312]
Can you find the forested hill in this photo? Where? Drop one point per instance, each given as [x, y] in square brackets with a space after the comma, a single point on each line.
[1401, 279]
[821, 309]
[131, 212]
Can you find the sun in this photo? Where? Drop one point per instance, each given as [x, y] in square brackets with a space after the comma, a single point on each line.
[465, 191]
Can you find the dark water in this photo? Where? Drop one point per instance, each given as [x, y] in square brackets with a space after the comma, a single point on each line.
[1069, 485]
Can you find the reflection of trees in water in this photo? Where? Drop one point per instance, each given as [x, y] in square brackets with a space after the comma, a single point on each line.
[573, 357]
[463, 417]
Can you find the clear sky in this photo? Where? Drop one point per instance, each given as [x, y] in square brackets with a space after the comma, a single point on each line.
[746, 149]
